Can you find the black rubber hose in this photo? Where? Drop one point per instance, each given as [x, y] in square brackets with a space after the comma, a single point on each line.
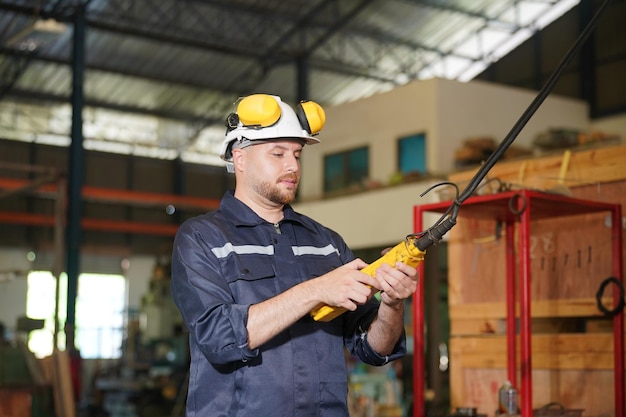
[619, 308]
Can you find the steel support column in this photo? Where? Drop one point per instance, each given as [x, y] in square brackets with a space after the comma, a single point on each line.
[302, 76]
[76, 173]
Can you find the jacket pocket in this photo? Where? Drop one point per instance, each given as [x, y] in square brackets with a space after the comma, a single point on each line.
[250, 280]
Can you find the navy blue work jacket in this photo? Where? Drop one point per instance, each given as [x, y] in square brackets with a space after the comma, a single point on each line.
[228, 259]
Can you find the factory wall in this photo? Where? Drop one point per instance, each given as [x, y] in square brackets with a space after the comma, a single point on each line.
[379, 217]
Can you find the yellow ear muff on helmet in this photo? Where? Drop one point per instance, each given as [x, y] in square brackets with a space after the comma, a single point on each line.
[311, 116]
[259, 110]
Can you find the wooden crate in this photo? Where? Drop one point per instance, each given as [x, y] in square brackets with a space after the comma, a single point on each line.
[572, 342]
[575, 370]
[570, 256]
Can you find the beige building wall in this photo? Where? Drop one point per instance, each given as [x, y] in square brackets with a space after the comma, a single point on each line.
[381, 217]
[447, 111]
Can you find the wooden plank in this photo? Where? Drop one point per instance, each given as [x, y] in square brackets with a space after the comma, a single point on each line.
[582, 167]
[549, 351]
[462, 326]
[64, 383]
[574, 307]
[56, 369]
[473, 327]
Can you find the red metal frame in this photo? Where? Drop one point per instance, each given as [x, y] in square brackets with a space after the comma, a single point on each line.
[105, 196]
[117, 196]
[520, 207]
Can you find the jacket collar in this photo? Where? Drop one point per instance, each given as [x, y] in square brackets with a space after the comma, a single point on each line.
[242, 215]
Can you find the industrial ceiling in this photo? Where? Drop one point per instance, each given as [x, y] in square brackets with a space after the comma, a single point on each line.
[158, 77]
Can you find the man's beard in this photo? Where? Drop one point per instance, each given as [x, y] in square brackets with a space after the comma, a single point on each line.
[274, 193]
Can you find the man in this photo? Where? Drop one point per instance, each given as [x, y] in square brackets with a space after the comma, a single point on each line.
[246, 276]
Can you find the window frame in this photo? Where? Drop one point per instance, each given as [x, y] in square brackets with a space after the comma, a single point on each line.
[421, 168]
[349, 177]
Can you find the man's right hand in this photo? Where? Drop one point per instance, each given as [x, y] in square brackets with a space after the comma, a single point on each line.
[346, 286]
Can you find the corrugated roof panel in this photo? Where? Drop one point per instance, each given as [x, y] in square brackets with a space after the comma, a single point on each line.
[46, 79]
[188, 61]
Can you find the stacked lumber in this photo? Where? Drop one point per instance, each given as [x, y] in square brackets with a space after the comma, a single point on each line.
[473, 151]
[570, 168]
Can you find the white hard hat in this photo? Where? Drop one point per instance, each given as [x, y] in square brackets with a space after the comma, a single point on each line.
[261, 117]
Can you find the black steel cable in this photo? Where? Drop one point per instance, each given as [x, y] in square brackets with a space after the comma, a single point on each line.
[436, 232]
[532, 108]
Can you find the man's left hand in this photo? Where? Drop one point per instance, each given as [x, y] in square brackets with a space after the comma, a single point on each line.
[397, 284]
